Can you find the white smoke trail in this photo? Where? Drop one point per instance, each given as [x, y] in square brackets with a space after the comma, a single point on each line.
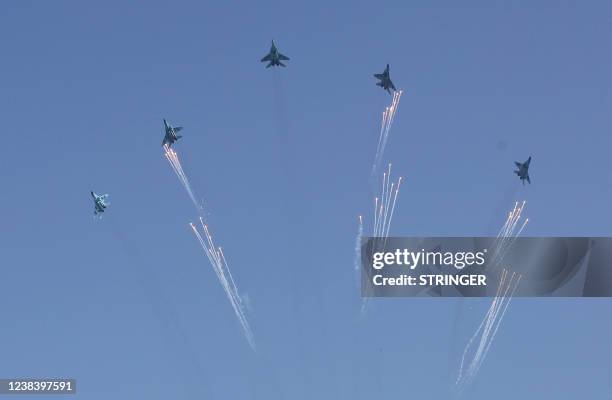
[491, 321]
[384, 207]
[358, 244]
[499, 320]
[489, 326]
[386, 204]
[508, 234]
[399, 181]
[386, 213]
[220, 266]
[380, 136]
[381, 205]
[388, 117]
[484, 320]
[375, 213]
[215, 255]
[175, 163]
[507, 288]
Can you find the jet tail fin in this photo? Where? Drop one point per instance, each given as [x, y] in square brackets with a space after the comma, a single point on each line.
[281, 64]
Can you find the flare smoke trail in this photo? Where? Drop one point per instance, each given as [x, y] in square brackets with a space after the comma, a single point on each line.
[508, 295]
[219, 263]
[508, 234]
[490, 324]
[384, 208]
[358, 244]
[385, 205]
[215, 254]
[175, 163]
[385, 127]
[487, 329]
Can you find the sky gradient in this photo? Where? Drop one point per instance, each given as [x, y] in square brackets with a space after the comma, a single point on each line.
[129, 305]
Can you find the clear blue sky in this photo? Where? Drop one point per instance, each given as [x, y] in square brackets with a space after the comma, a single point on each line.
[129, 305]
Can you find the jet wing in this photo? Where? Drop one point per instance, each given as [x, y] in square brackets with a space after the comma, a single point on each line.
[267, 58]
[392, 85]
[378, 76]
[282, 57]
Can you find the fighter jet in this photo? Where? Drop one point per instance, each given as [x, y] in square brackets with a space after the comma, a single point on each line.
[523, 170]
[171, 134]
[100, 203]
[274, 57]
[385, 80]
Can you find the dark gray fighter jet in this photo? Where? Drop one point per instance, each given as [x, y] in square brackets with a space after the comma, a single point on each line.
[171, 134]
[385, 80]
[274, 57]
[100, 203]
[523, 170]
